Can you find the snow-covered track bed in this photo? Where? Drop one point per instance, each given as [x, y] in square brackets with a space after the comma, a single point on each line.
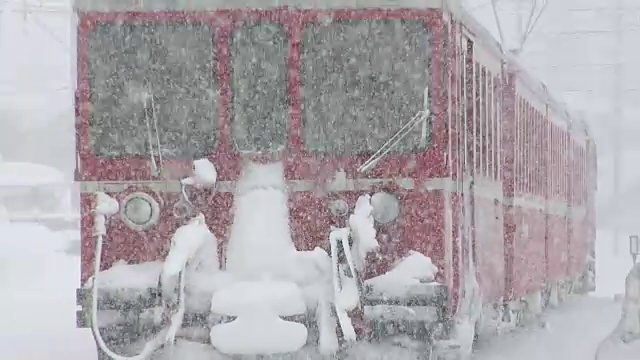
[388, 350]
[130, 315]
[140, 303]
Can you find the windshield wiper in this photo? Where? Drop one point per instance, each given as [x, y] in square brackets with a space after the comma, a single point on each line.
[420, 118]
[149, 102]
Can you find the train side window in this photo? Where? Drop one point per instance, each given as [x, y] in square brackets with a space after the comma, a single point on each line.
[532, 149]
[517, 145]
[494, 124]
[487, 121]
[554, 171]
[496, 128]
[486, 136]
[541, 154]
[550, 149]
[541, 145]
[489, 125]
[483, 119]
[522, 150]
[515, 139]
[520, 145]
[579, 171]
[585, 183]
[477, 114]
[563, 159]
[565, 189]
[585, 174]
[525, 148]
[561, 165]
[556, 165]
[527, 176]
[534, 152]
[555, 162]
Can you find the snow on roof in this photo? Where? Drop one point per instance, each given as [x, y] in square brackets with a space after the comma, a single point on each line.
[154, 5]
[29, 174]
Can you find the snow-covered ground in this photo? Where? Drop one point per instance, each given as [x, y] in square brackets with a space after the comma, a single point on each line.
[611, 268]
[38, 280]
[572, 332]
[575, 329]
[37, 297]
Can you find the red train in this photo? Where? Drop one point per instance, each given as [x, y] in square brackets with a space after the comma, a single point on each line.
[496, 184]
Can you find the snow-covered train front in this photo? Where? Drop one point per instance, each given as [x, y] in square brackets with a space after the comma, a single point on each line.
[378, 162]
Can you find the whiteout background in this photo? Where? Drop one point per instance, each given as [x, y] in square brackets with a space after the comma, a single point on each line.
[571, 49]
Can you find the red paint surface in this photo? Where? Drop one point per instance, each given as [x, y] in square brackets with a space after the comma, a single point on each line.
[421, 225]
[520, 264]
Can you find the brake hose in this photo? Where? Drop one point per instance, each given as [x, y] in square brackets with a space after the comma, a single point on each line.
[154, 344]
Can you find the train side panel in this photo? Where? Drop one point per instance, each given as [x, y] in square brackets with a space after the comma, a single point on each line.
[488, 239]
[577, 217]
[557, 245]
[529, 218]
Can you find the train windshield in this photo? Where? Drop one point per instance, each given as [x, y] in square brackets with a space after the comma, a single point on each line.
[152, 85]
[362, 80]
[259, 53]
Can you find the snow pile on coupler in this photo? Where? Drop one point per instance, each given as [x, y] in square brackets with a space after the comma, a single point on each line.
[263, 300]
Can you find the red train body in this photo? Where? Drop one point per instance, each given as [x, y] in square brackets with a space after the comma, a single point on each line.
[497, 140]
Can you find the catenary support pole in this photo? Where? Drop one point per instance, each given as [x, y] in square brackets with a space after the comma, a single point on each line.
[617, 116]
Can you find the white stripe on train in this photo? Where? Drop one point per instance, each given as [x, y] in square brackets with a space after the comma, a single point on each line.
[484, 189]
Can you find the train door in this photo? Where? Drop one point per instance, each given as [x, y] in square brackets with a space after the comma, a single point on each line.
[465, 152]
[470, 149]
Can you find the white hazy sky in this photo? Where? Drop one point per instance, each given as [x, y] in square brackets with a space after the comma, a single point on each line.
[35, 59]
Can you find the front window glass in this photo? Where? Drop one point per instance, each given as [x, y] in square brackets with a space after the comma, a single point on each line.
[362, 80]
[259, 53]
[153, 76]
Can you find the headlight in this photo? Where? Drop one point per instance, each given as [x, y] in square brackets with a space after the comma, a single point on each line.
[386, 207]
[338, 207]
[140, 211]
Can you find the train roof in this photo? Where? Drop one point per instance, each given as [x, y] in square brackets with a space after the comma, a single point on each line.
[537, 87]
[211, 5]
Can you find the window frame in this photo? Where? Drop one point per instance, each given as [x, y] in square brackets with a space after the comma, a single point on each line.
[428, 72]
[101, 152]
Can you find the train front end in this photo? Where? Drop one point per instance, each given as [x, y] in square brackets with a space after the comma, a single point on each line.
[306, 110]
